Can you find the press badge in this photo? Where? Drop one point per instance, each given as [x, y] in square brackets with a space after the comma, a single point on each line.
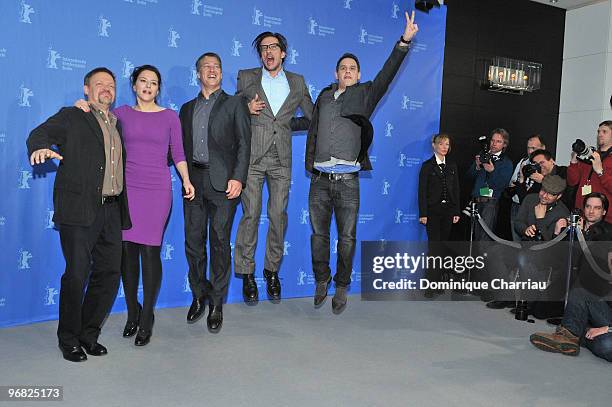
[486, 191]
[586, 189]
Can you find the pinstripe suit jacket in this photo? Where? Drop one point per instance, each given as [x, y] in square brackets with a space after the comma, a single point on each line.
[266, 128]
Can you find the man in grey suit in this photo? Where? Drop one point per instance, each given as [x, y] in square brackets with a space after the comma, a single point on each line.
[274, 96]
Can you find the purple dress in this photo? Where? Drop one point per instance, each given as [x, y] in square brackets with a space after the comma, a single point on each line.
[147, 137]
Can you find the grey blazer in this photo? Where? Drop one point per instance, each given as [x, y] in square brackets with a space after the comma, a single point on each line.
[267, 128]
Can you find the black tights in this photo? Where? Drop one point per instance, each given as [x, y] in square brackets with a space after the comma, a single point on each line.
[151, 280]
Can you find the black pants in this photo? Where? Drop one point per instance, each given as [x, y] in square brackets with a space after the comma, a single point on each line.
[439, 223]
[91, 279]
[210, 214]
[340, 197]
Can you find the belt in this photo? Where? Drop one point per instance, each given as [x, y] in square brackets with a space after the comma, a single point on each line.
[110, 199]
[202, 166]
[334, 176]
[481, 199]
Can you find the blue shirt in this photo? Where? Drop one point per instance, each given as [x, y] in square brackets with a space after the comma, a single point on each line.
[276, 89]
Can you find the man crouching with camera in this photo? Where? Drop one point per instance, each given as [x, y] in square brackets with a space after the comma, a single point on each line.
[590, 168]
[587, 317]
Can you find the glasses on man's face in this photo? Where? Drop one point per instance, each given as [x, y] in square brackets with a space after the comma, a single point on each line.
[271, 47]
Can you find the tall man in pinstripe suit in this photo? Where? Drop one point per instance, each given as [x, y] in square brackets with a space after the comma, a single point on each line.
[274, 96]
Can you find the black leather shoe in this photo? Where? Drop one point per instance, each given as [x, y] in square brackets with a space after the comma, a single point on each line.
[143, 337]
[94, 349]
[215, 318]
[73, 353]
[339, 300]
[198, 305]
[132, 326]
[249, 289]
[273, 285]
[500, 304]
[321, 292]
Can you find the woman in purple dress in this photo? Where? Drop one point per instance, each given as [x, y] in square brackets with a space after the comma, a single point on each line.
[149, 131]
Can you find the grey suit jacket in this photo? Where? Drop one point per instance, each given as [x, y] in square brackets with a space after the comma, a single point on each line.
[266, 128]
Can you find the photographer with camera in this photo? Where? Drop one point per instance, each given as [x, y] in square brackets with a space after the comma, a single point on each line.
[534, 142]
[536, 221]
[591, 169]
[586, 304]
[491, 171]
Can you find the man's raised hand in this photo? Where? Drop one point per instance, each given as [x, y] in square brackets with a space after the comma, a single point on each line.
[39, 156]
[411, 28]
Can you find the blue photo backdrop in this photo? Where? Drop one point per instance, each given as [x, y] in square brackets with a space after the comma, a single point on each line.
[48, 46]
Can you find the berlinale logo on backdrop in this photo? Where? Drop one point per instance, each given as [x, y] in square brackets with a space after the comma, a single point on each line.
[167, 253]
[186, 286]
[304, 217]
[24, 259]
[367, 38]
[388, 129]
[24, 96]
[335, 247]
[411, 104]
[24, 13]
[127, 68]
[173, 37]
[292, 54]
[24, 177]
[52, 58]
[50, 293]
[195, 7]
[103, 26]
[236, 45]
[385, 187]
[312, 89]
[401, 162]
[193, 80]
[315, 28]
[2, 302]
[304, 278]
[347, 4]
[286, 248]
[394, 9]
[259, 18]
[49, 219]
[207, 11]
[2, 220]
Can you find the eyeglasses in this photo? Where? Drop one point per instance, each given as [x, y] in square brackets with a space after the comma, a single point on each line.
[271, 47]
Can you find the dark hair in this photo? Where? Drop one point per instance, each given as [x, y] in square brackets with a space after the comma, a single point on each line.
[539, 137]
[348, 55]
[504, 133]
[208, 54]
[282, 41]
[547, 155]
[604, 200]
[94, 71]
[607, 123]
[139, 69]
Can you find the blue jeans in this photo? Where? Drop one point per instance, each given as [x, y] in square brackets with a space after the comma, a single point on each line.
[342, 198]
[585, 309]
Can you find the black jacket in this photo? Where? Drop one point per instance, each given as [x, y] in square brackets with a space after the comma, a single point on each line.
[77, 192]
[229, 139]
[359, 103]
[430, 187]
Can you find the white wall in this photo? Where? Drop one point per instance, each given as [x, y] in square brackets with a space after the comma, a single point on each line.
[586, 80]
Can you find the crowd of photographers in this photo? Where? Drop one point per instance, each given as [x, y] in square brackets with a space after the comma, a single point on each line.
[547, 199]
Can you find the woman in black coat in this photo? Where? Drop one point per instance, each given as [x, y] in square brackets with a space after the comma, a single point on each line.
[439, 191]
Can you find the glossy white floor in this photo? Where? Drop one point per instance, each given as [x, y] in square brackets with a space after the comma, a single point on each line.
[289, 354]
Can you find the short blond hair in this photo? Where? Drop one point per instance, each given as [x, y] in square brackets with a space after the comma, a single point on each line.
[439, 137]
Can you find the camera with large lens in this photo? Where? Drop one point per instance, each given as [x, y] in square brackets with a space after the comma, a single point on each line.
[583, 152]
[484, 154]
[531, 168]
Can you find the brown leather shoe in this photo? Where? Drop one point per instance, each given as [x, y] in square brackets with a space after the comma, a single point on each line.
[561, 341]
